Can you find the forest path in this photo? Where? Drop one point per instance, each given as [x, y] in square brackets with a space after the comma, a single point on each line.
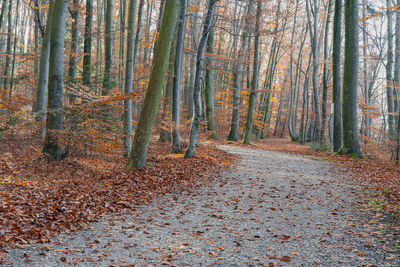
[274, 208]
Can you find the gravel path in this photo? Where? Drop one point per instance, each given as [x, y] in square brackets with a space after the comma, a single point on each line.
[274, 209]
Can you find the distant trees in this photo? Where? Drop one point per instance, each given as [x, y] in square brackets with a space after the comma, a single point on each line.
[243, 72]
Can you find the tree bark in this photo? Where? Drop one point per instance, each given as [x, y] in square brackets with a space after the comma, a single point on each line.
[325, 81]
[108, 41]
[73, 60]
[389, 72]
[148, 114]
[254, 81]
[176, 93]
[351, 144]
[194, 129]
[87, 46]
[209, 90]
[130, 43]
[40, 103]
[336, 73]
[52, 147]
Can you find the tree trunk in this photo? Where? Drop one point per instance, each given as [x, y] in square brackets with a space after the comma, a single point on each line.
[44, 72]
[108, 41]
[351, 144]
[254, 81]
[148, 114]
[325, 80]
[389, 72]
[74, 44]
[130, 42]
[87, 46]
[176, 143]
[336, 73]
[8, 49]
[52, 147]
[313, 28]
[194, 129]
[209, 90]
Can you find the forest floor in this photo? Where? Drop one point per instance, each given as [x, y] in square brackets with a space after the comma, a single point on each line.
[269, 208]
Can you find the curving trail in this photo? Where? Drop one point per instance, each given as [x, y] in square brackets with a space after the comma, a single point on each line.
[274, 209]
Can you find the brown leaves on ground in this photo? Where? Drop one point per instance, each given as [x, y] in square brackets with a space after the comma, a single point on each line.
[40, 199]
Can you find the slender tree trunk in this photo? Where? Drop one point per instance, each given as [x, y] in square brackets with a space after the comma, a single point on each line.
[176, 143]
[148, 114]
[325, 80]
[52, 146]
[396, 106]
[389, 72]
[194, 129]
[108, 41]
[254, 81]
[336, 73]
[8, 49]
[209, 89]
[313, 28]
[351, 144]
[87, 46]
[366, 118]
[122, 23]
[44, 72]
[73, 60]
[130, 43]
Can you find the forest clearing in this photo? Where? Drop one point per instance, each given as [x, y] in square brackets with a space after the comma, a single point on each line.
[211, 132]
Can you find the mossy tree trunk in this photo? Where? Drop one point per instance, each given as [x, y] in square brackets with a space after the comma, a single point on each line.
[254, 81]
[336, 77]
[148, 113]
[351, 143]
[87, 45]
[108, 41]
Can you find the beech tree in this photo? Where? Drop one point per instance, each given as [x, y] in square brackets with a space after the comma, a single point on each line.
[351, 143]
[130, 45]
[336, 73]
[194, 129]
[52, 147]
[148, 114]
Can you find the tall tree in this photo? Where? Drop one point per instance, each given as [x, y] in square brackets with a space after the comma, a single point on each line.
[194, 129]
[148, 114]
[209, 90]
[8, 51]
[40, 103]
[351, 143]
[108, 47]
[74, 11]
[389, 70]
[312, 7]
[336, 87]
[325, 80]
[254, 81]
[87, 46]
[130, 45]
[52, 147]
[176, 144]
[237, 77]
